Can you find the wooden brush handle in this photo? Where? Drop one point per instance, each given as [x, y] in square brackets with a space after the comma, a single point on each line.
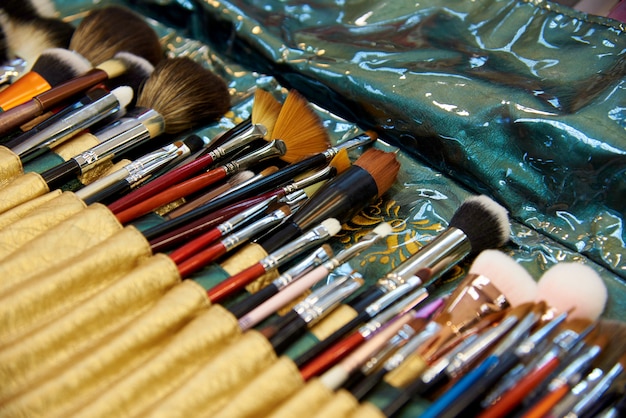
[192, 247]
[166, 180]
[541, 408]
[180, 190]
[19, 115]
[198, 261]
[329, 357]
[235, 283]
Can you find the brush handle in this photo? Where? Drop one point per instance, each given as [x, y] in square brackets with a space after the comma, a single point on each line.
[322, 362]
[201, 259]
[288, 334]
[189, 249]
[545, 404]
[263, 185]
[360, 388]
[235, 283]
[114, 189]
[19, 115]
[366, 298]
[22, 90]
[248, 304]
[166, 180]
[59, 175]
[170, 195]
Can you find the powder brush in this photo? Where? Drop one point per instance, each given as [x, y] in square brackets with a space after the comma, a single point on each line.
[176, 97]
[264, 113]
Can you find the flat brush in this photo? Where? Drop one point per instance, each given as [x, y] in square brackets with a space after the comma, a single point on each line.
[271, 182]
[317, 235]
[479, 223]
[265, 295]
[272, 149]
[218, 249]
[177, 96]
[265, 110]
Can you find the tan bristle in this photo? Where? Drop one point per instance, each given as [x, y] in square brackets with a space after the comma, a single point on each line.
[185, 93]
[269, 170]
[383, 167]
[265, 110]
[300, 128]
[341, 161]
[107, 31]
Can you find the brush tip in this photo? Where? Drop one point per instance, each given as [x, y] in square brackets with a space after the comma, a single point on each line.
[575, 287]
[507, 275]
[124, 95]
[332, 225]
[383, 229]
[382, 166]
[484, 222]
[57, 65]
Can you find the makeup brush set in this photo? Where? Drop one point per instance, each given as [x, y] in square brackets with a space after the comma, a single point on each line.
[316, 210]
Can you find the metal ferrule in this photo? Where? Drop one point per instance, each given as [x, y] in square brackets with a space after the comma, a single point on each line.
[136, 133]
[236, 238]
[311, 261]
[253, 132]
[416, 342]
[101, 106]
[149, 163]
[311, 238]
[598, 390]
[528, 346]
[402, 337]
[295, 200]
[574, 371]
[12, 70]
[327, 298]
[394, 295]
[448, 248]
[382, 318]
[245, 216]
[482, 343]
[443, 363]
[320, 175]
[276, 148]
[361, 245]
[357, 141]
[519, 332]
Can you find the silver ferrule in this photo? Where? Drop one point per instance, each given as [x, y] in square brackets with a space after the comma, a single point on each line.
[401, 338]
[396, 294]
[482, 343]
[141, 127]
[320, 175]
[326, 298]
[247, 215]
[575, 369]
[236, 238]
[410, 347]
[295, 200]
[307, 264]
[357, 248]
[527, 347]
[442, 364]
[103, 104]
[275, 148]
[307, 240]
[254, 132]
[598, 390]
[12, 70]
[519, 332]
[355, 142]
[447, 249]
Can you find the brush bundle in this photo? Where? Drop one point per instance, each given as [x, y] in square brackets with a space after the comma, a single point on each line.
[181, 235]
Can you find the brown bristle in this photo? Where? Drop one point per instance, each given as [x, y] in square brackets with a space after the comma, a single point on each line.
[300, 128]
[185, 93]
[341, 161]
[269, 170]
[383, 167]
[107, 31]
[265, 110]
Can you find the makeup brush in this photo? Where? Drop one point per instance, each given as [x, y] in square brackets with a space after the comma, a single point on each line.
[265, 110]
[271, 183]
[28, 9]
[478, 224]
[180, 94]
[315, 236]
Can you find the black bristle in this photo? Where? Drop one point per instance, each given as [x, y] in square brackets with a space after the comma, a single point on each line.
[57, 65]
[137, 72]
[194, 142]
[4, 50]
[59, 33]
[484, 222]
[19, 9]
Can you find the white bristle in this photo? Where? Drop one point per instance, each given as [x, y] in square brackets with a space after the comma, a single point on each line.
[241, 177]
[567, 286]
[332, 225]
[507, 275]
[44, 8]
[61, 60]
[124, 95]
[135, 61]
[383, 229]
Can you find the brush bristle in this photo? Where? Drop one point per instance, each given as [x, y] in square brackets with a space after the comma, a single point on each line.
[185, 93]
[507, 275]
[341, 161]
[382, 166]
[383, 229]
[566, 286]
[240, 177]
[107, 31]
[57, 65]
[332, 225]
[131, 71]
[300, 128]
[265, 110]
[124, 95]
[484, 222]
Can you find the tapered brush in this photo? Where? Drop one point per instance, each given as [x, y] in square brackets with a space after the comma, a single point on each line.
[265, 110]
[180, 94]
[478, 224]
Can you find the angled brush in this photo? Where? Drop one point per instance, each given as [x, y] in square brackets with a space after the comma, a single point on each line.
[180, 94]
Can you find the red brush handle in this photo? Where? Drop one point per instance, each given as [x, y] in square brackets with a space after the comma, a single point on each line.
[329, 357]
[235, 283]
[201, 259]
[516, 394]
[541, 408]
[166, 180]
[173, 193]
[192, 247]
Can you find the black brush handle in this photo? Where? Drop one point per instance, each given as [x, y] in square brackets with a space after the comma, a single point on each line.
[112, 191]
[241, 308]
[416, 388]
[366, 298]
[361, 388]
[59, 175]
[331, 340]
[288, 334]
